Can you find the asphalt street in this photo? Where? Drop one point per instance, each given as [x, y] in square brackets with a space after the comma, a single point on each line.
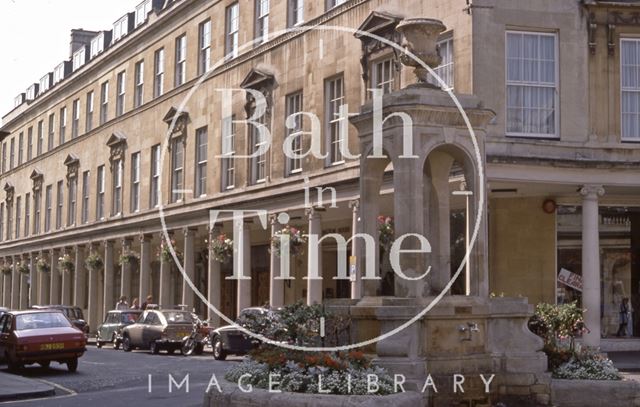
[107, 377]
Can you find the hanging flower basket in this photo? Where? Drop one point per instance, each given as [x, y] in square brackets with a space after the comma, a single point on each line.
[222, 248]
[42, 266]
[129, 257]
[6, 270]
[164, 251]
[94, 262]
[296, 241]
[23, 267]
[386, 231]
[65, 264]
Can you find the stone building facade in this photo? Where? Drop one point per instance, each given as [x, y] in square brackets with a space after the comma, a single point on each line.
[111, 142]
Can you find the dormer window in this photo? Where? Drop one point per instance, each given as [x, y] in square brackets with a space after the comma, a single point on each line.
[18, 100]
[58, 73]
[79, 58]
[97, 45]
[45, 83]
[32, 91]
[142, 11]
[121, 28]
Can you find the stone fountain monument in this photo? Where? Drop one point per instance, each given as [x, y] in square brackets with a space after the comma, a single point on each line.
[461, 335]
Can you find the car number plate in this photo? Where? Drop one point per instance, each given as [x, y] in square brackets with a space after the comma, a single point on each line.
[52, 346]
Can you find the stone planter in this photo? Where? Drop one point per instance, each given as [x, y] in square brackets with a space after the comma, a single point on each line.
[232, 396]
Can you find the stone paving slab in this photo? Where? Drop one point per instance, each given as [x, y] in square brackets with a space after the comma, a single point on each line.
[14, 387]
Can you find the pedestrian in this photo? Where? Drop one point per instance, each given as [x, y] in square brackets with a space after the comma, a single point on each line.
[147, 302]
[135, 304]
[122, 304]
[624, 317]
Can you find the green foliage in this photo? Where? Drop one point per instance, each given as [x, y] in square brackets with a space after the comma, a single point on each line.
[94, 262]
[587, 365]
[557, 322]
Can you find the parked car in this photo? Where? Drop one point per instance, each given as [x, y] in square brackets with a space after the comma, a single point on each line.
[158, 330]
[40, 336]
[111, 328]
[230, 340]
[74, 314]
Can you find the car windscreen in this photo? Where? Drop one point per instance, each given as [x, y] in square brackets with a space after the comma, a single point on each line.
[129, 317]
[41, 320]
[178, 317]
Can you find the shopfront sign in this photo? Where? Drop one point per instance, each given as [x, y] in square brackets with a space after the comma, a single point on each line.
[570, 279]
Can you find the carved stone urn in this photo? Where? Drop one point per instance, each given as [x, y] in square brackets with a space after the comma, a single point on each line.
[420, 38]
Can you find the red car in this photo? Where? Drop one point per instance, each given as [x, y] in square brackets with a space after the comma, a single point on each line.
[40, 336]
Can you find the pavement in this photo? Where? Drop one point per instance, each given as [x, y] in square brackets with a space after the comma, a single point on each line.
[14, 387]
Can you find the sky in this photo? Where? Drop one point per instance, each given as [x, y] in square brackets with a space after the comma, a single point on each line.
[34, 37]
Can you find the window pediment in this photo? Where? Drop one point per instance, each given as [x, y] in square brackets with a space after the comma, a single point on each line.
[181, 118]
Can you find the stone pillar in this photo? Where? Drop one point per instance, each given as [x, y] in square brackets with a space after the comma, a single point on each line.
[15, 284]
[125, 272]
[314, 286]
[33, 280]
[66, 283]
[93, 293]
[276, 287]
[165, 281]
[54, 278]
[189, 266]
[108, 301]
[438, 221]
[591, 263]
[24, 285]
[356, 278]
[6, 289]
[80, 279]
[145, 267]
[214, 280]
[44, 280]
[242, 262]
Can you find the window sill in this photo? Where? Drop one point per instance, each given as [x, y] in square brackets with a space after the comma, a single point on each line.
[533, 136]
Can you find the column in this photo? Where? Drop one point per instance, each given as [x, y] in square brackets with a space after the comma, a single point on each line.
[108, 301]
[125, 272]
[15, 284]
[24, 285]
[145, 267]
[66, 283]
[314, 286]
[6, 288]
[591, 263]
[214, 289]
[54, 278]
[242, 262]
[276, 288]
[189, 266]
[93, 293]
[356, 277]
[165, 280]
[44, 279]
[33, 280]
[80, 279]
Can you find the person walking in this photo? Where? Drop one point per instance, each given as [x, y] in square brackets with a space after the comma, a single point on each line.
[147, 302]
[135, 304]
[624, 317]
[122, 304]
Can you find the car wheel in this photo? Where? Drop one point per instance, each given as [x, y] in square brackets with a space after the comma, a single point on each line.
[99, 343]
[218, 350]
[45, 364]
[72, 365]
[126, 344]
[154, 348]
[115, 342]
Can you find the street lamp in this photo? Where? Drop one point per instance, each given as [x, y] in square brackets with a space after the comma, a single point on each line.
[467, 270]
